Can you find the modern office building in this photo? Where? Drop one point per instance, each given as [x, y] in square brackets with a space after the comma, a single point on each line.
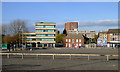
[71, 26]
[113, 38]
[44, 35]
[72, 40]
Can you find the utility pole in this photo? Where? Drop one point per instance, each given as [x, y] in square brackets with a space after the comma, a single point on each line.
[20, 29]
[19, 37]
[22, 39]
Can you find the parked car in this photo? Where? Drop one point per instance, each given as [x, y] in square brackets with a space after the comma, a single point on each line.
[44, 48]
[75, 46]
[81, 47]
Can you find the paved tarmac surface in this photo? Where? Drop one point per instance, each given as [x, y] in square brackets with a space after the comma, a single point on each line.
[62, 62]
[72, 50]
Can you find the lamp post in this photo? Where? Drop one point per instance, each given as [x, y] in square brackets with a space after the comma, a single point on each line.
[22, 39]
[20, 29]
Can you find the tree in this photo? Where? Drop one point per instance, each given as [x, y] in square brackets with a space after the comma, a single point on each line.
[88, 41]
[16, 27]
[95, 38]
[59, 38]
[6, 39]
[65, 32]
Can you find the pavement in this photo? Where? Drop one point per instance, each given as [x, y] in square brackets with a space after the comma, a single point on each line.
[70, 50]
[62, 62]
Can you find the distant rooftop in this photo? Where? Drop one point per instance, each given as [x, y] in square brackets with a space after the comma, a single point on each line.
[44, 22]
[114, 31]
[103, 32]
[75, 35]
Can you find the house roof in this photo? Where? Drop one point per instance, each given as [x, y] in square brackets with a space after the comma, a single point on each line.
[114, 31]
[103, 32]
[45, 22]
[74, 35]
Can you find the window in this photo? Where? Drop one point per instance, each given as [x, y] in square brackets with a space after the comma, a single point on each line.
[72, 40]
[111, 34]
[47, 39]
[39, 39]
[49, 26]
[43, 35]
[79, 40]
[69, 40]
[76, 44]
[76, 40]
[50, 31]
[66, 40]
[40, 26]
[79, 44]
[44, 26]
[45, 30]
[29, 39]
[66, 44]
[27, 35]
[69, 44]
[113, 39]
[119, 34]
[40, 31]
[50, 35]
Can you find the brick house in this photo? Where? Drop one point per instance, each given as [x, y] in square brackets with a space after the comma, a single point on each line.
[75, 39]
[102, 35]
[113, 37]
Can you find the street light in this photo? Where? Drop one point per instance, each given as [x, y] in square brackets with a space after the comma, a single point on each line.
[20, 29]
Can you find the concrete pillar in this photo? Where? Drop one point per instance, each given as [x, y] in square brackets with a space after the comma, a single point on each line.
[42, 45]
[47, 45]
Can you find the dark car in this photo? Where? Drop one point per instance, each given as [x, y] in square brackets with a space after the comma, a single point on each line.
[44, 48]
[81, 47]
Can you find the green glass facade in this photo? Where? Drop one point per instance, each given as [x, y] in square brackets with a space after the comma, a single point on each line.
[45, 39]
[30, 39]
[44, 35]
[45, 30]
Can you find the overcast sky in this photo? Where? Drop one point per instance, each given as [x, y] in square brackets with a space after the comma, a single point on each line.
[90, 15]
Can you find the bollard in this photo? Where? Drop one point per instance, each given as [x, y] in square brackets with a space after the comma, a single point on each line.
[88, 57]
[107, 58]
[36, 56]
[53, 56]
[22, 56]
[70, 57]
[8, 56]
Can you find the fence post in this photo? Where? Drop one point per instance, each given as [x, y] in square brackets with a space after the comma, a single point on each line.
[22, 56]
[107, 58]
[88, 57]
[53, 56]
[8, 56]
[70, 57]
[36, 56]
